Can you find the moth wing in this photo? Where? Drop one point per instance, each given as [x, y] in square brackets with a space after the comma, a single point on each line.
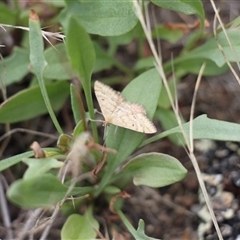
[132, 116]
[108, 99]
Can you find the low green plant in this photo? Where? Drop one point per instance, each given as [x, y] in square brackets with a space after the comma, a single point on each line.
[75, 169]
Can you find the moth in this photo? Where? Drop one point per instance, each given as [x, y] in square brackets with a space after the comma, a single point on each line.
[118, 111]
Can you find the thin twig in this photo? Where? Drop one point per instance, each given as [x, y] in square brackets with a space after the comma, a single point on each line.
[6, 141]
[10, 132]
[31, 217]
[5, 212]
[30, 223]
[49, 225]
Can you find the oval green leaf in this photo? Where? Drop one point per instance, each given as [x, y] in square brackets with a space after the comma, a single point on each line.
[41, 191]
[79, 227]
[155, 170]
[102, 17]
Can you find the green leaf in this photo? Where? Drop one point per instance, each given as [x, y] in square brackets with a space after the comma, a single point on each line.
[58, 3]
[80, 50]
[184, 6]
[79, 227]
[204, 128]
[194, 66]
[140, 232]
[40, 166]
[164, 101]
[75, 103]
[82, 56]
[235, 22]
[41, 191]
[168, 121]
[79, 128]
[103, 60]
[112, 190]
[14, 67]
[211, 51]
[64, 142]
[52, 152]
[102, 17]
[185, 64]
[155, 170]
[8, 162]
[8, 15]
[123, 140]
[58, 66]
[36, 47]
[38, 62]
[167, 34]
[124, 39]
[137, 234]
[29, 103]
[144, 63]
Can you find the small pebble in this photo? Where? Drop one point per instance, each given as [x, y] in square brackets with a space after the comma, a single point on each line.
[226, 230]
[221, 153]
[235, 176]
[232, 146]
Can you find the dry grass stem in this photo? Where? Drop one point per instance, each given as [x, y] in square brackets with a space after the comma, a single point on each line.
[190, 147]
